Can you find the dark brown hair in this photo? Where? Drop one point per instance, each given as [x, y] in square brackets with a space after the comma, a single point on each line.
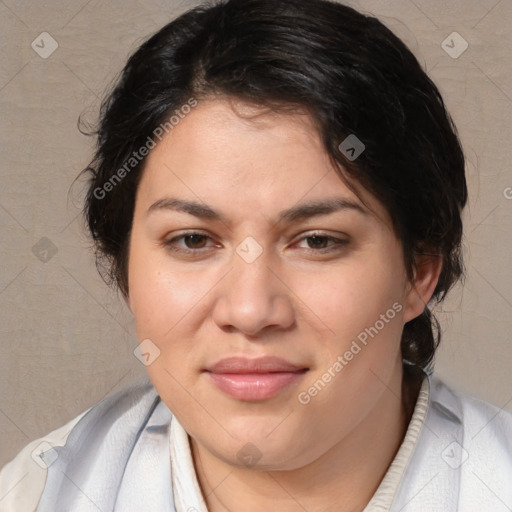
[347, 69]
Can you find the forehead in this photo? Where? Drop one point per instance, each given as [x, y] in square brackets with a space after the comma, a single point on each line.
[227, 135]
[231, 153]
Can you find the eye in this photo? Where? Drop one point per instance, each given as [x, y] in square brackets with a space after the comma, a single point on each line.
[317, 243]
[194, 242]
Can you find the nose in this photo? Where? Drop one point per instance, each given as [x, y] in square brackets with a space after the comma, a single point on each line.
[253, 297]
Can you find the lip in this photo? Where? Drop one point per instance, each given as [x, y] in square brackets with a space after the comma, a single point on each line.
[266, 364]
[254, 379]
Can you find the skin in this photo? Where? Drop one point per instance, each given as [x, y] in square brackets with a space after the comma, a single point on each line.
[297, 300]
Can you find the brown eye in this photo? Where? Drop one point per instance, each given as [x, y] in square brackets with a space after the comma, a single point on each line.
[188, 243]
[194, 241]
[320, 243]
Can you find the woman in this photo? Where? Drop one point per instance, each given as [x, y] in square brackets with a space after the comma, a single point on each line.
[277, 193]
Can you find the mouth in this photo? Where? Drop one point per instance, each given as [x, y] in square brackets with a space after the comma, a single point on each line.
[254, 380]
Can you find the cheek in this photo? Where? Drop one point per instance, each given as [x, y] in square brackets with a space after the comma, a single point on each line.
[354, 297]
[164, 303]
[159, 296]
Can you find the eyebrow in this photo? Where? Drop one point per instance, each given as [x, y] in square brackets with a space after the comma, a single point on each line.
[294, 214]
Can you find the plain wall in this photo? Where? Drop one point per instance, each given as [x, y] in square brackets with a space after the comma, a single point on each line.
[66, 340]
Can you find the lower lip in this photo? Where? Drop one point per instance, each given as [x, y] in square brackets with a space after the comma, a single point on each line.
[252, 387]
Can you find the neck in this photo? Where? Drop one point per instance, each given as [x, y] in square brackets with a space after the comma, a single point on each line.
[343, 479]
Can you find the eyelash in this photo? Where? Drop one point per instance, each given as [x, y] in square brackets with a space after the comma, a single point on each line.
[338, 242]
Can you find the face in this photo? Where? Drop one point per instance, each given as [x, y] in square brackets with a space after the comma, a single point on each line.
[278, 324]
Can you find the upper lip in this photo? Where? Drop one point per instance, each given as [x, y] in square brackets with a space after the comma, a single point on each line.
[256, 365]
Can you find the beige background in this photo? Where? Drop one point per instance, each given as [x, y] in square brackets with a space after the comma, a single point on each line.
[66, 340]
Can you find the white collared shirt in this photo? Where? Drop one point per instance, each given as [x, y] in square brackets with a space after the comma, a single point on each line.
[187, 492]
[129, 454]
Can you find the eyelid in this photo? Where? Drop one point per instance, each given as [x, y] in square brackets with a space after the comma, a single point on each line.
[324, 233]
[339, 239]
[180, 236]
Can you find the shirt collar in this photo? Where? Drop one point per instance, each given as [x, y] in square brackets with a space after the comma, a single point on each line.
[187, 492]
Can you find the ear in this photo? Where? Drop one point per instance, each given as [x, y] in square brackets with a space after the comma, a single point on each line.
[426, 276]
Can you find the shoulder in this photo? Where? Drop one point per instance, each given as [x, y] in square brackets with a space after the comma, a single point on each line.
[23, 479]
[462, 459]
[478, 416]
[481, 453]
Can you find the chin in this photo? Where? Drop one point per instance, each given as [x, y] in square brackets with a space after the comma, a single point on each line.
[260, 455]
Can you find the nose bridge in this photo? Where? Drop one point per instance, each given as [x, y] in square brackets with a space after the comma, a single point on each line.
[252, 297]
[252, 270]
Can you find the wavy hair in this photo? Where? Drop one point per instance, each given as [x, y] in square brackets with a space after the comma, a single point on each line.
[350, 72]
